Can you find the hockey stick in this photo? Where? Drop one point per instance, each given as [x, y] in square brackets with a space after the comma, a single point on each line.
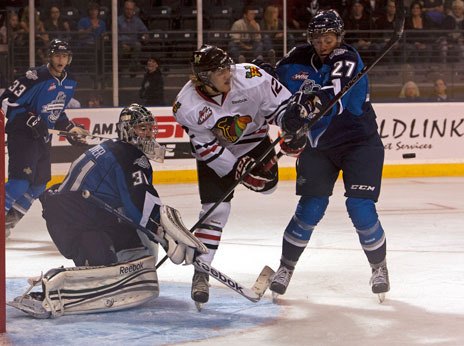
[253, 294]
[70, 134]
[398, 31]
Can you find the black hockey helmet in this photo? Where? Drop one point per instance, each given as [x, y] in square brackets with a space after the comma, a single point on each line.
[132, 116]
[59, 46]
[324, 22]
[209, 59]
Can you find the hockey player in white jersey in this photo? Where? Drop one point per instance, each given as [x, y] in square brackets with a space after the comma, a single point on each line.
[226, 110]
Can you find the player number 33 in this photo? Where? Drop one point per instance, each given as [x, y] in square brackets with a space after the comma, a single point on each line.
[17, 88]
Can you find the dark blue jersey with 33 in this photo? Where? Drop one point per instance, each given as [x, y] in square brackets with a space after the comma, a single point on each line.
[39, 93]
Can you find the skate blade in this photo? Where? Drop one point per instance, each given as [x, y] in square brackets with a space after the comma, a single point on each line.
[199, 306]
[275, 297]
[381, 297]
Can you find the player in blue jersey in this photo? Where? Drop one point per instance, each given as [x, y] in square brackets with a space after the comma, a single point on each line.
[346, 140]
[33, 104]
[118, 172]
[115, 262]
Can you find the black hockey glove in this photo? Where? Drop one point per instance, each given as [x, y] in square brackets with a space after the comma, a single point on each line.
[266, 67]
[38, 127]
[301, 108]
[77, 134]
[294, 146]
[257, 179]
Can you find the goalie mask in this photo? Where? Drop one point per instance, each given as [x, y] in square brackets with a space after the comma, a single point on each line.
[138, 127]
[207, 60]
[324, 22]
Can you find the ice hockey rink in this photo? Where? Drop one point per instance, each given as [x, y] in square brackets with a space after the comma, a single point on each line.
[328, 301]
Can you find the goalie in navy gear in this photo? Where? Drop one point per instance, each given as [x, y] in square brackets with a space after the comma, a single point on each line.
[346, 140]
[226, 110]
[115, 262]
[33, 104]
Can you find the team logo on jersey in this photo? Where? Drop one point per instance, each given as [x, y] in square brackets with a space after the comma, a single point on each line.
[302, 75]
[52, 86]
[252, 71]
[205, 113]
[31, 74]
[309, 85]
[142, 162]
[231, 128]
[176, 107]
[337, 51]
[27, 170]
[55, 107]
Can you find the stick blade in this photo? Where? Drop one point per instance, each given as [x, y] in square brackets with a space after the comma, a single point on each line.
[263, 281]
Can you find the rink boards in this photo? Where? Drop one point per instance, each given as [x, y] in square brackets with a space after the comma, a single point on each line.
[420, 139]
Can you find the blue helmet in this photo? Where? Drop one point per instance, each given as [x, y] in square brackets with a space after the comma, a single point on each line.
[324, 22]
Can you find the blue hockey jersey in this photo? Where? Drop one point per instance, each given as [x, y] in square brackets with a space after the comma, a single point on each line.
[39, 93]
[352, 118]
[119, 174]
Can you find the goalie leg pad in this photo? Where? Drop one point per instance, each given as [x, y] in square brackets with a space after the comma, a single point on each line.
[80, 290]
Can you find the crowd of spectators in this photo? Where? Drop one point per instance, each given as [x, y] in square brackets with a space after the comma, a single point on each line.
[254, 28]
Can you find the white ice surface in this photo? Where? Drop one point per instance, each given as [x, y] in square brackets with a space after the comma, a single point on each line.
[328, 301]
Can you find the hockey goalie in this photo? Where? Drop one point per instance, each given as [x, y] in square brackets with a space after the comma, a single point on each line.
[115, 263]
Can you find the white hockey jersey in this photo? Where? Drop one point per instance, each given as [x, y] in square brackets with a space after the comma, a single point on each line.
[227, 127]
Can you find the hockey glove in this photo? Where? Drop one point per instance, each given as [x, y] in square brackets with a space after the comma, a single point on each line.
[77, 134]
[38, 127]
[257, 179]
[266, 67]
[294, 146]
[301, 108]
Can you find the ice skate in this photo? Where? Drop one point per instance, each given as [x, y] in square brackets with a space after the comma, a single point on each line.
[11, 219]
[379, 280]
[200, 289]
[280, 281]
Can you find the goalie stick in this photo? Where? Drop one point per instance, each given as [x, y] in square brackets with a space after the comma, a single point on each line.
[397, 33]
[253, 294]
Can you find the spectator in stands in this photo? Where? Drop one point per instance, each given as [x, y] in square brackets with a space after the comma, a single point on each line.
[358, 19]
[453, 44]
[95, 101]
[418, 44]
[439, 91]
[410, 92]
[272, 31]
[55, 25]
[132, 32]
[434, 10]
[14, 31]
[386, 22]
[246, 37]
[41, 37]
[152, 90]
[300, 12]
[375, 8]
[91, 26]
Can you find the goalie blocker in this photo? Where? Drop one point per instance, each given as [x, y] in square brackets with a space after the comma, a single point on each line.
[79, 290]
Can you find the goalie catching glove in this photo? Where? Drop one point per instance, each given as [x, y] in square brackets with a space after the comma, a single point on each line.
[301, 108]
[257, 179]
[180, 243]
